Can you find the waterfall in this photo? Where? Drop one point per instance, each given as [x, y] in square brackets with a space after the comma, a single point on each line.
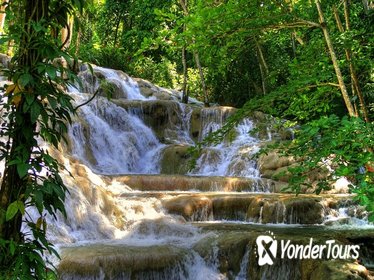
[117, 142]
[115, 139]
[242, 275]
[125, 220]
[231, 157]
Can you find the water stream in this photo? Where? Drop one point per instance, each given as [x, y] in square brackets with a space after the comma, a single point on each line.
[127, 220]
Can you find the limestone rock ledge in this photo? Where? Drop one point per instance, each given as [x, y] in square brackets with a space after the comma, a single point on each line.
[100, 261]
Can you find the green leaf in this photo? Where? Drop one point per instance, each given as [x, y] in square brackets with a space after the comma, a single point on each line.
[22, 169]
[52, 101]
[34, 112]
[38, 198]
[29, 99]
[48, 187]
[13, 209]
[51, 71]
[12, 247]
[25, 79]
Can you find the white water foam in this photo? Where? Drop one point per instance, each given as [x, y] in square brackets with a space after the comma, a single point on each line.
[118, 142]
[230, 158]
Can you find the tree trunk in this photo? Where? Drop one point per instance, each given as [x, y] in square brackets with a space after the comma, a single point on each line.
[185, 76]
[78, 40]
[293, 43]
[2, 16]
[184, 6]
[201, 73]
[368, 5]
[335, 63]
[264, 70]
[356, 89]
[13, 186]
[116, 31]
[10, 45]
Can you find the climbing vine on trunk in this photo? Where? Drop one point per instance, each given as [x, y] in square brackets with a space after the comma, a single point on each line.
[34, 107]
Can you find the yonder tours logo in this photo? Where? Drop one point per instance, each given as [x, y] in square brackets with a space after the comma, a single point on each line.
[268, 248]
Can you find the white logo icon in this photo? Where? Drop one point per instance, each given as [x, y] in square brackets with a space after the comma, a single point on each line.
[266, 249]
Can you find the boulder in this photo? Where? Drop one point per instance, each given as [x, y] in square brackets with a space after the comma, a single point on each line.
[175, 160]
[148, 89]
[192, 208]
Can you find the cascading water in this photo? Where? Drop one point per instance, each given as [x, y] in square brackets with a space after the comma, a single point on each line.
[122, 226]
[126, 86]
[117, 142]
[231, 158]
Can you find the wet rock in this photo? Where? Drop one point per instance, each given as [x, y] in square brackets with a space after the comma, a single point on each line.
[162, 228]
[304, 211]
[209, 157]
[270, 128]
[5, 60]
[275, 166]
[212, 118]
[165, 117]
[192, 208]
[195, 124]
[231, 207]
[258, 208]
[175, 160]
[148, 89]
[273, 162]
[286, 209]
[119, 262]
[184, 183]
[332, 269]
[228, 249]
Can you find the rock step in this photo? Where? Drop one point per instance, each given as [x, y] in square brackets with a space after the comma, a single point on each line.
[231, 252]
[197, 183]
[262, 208]
[265, 208]
[238, 246]
[109, 261]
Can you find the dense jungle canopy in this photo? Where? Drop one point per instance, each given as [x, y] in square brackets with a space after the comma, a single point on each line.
[271, 54]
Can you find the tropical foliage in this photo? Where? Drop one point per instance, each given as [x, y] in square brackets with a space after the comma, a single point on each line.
[34, 106]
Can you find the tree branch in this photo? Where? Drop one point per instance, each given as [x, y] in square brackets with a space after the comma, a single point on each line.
[318, 85]
[88, 101]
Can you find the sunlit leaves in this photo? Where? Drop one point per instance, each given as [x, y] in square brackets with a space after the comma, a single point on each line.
[341, 147]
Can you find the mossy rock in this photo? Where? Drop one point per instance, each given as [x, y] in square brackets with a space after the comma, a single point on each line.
[231, 207]
[332, 270]
[229, 249]
[195, 124]
[116, 262]
[163, 116]
[175, 160]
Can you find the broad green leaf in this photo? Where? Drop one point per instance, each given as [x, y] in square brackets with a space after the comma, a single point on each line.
[13, 209]
[25, 79]
[12, 247]
[35, 112]
[22, 169]
[51, 71]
